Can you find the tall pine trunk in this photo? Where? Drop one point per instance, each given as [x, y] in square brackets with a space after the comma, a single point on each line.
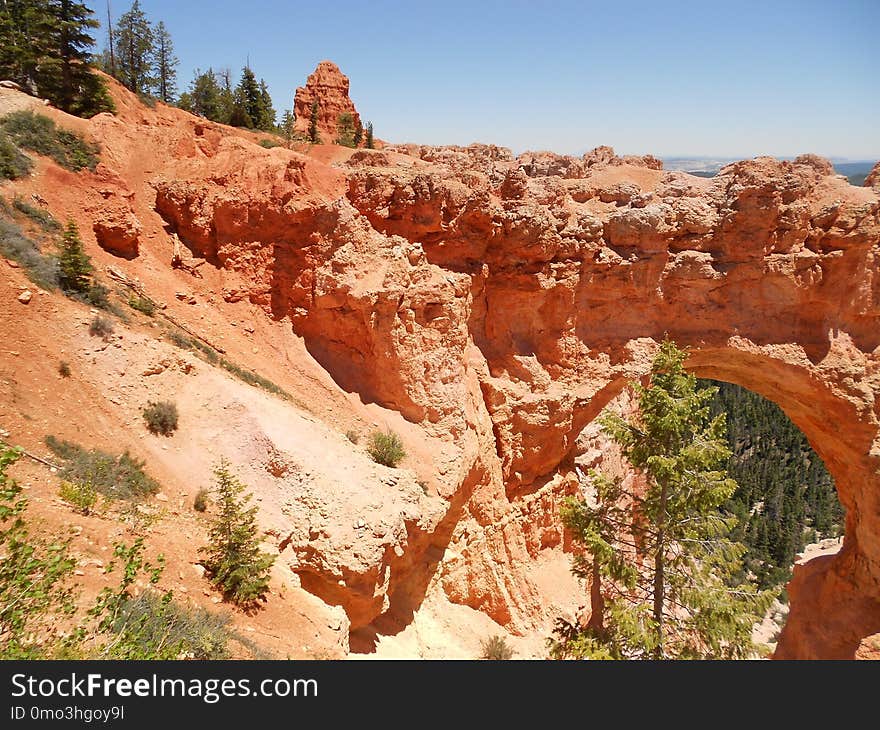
[597, 601]
[659, 565]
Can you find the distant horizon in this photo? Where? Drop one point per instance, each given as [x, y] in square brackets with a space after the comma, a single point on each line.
[733, 81]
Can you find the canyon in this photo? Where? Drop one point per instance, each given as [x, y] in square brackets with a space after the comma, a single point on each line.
[485, 306]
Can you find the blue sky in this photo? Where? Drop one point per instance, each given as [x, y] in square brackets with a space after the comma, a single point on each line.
[735, 79]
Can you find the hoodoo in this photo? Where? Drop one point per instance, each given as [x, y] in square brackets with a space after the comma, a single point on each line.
[327, 86]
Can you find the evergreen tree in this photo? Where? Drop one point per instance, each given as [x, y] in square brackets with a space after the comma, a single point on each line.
[358, 134]
[234, 561]
[74, 266]
[24, 29]
[345, 130]
[135, 50]
[667, 566]
[287, 124]
[203, 97]
[248, 102]
[369, 142]
[165, 64]
[268, 113]
[227, 96]
[313, 124]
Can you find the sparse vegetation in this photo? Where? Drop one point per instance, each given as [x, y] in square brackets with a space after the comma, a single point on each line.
[42, 218]
[386, 448]
[178, 339]
[270, 143]
[200, 503]
[64, 369]
[82, 497]
[101, 327]
[115, 477]
[233, 559]
[142, 305]
[41, 270]
[345, 130]
[13, 164]
[352, 436]
[495, 648]
[34, 576]
[161, 417]
[39, 134]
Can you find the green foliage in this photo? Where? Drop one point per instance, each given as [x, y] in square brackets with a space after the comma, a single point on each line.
[135, 50]
[369, 143]
[386, 448]
[45, 46]
[39, 134]
[233, 559]
[161, 417]
[165, 64]
[74, 266]
[64, 369]
[664, 556]
[287, 124]
[42, 218]
[270, 143]
[496, 648]
[34, 577]
[82, 497]
[784, 493]
[101, 327]
[153, 626]
[142, 304]
[314, 138]
[345, 130]
[13, 164]
[115, 477]
[41, 270]
[358, 134]
[200, 503]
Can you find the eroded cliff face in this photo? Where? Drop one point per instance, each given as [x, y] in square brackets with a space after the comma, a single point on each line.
[327, 86]
[499, 303]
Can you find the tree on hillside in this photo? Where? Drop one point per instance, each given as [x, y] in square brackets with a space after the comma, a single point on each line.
[45, 45]
[135, 50]
[267, 118]
[233, 559]
[288, 120]
[313, 124]
[369, 141]
[74, 266]
[165, 64]
[345, 130]
[663, 558]
[358, 134]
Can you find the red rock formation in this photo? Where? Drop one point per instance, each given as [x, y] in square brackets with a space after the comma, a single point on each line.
[329, 87]
[873, 179]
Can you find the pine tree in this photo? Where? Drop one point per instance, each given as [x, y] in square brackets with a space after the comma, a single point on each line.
[248, 107]
[268, 113]
[234, 561]
[24, 30]
[165, 64]
[345, 130]
[667, 566]
[358, 134]
[369, 142]
[135, 50]
[313, 124]
[287, 124]
[74, 266]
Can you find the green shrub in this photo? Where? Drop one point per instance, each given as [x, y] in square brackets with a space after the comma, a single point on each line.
[142, 304]
[41, 270]
[38, 133]
[81, 496]
[153, 626]
[233, 559]
[386, 448]
[64, 369]
[270, 143]
[42, 218]
[35, 573]
[161, 417]
[98, 296]
[496, 648]
[13, 164]
[200, 503]
[101, 327]
[74, 265]
[115, 477]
